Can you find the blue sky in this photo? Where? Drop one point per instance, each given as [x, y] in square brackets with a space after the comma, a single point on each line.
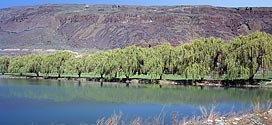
[223, 3]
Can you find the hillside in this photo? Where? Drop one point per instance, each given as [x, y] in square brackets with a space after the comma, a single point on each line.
[98, 27]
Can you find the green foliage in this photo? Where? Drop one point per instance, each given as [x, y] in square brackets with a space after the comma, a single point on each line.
[152, 64]
[33, 63]
[247, 54]
[201, 58]
[18, 65]
[130, 60]
[165, 59]
[48, 64]
[74, 65]
[240, 58]
[103, 63]
[55, 62]
[58, 60]
[4, 64]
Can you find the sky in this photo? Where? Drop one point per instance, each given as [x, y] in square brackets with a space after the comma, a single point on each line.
[222, 3]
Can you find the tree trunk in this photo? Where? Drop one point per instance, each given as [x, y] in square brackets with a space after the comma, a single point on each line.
[37, 74]
[101, 80]
[251, 77]
[3, 73]
[101, 76]
[59, 75]
[252, 72]
[101, 83]
[79, 75]
[127, 77]
[79, 83]
[161, 77]
[115, 75]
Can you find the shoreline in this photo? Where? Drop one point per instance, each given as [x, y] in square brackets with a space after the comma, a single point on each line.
[133, 81]
[256, 117]
[212, 118]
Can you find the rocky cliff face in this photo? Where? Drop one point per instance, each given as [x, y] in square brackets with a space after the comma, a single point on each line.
[96, 27]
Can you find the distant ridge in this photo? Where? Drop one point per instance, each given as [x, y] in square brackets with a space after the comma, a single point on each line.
[98, 27]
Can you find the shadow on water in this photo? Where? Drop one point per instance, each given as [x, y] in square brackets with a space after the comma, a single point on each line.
[79, 83]
[120, 93]
[101, 84]
[92, 100]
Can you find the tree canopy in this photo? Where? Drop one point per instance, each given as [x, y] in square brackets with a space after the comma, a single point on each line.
[4, 64]
[241, 57]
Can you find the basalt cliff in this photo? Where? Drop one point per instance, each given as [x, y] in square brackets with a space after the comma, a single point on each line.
[101, 27]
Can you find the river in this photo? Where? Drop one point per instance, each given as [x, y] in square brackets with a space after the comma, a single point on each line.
[43, 102]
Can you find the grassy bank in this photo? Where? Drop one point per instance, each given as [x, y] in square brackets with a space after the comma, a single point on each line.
[259, 79]
[260, 115]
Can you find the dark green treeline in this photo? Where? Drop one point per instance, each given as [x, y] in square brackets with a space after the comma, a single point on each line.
[240, 58]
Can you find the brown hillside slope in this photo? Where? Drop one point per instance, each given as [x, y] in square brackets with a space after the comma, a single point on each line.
[96, 27]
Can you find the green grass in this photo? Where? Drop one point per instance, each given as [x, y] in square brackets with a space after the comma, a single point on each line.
[263, 83]
[259, 75]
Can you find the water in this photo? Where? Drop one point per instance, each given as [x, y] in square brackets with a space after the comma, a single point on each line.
[43, 102]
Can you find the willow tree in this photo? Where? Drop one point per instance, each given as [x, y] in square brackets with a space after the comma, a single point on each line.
[33, 63]
[55, 62]
[200, 58]
[166, 59]
[18, 65]
[247, 54]
[115, 63]
[188, 62]
[74, 65]
[110, 63]
[47, 64]
[86, 59]
[4, 64]
[152, 63]
[140, 56]
[87, 63]
[60, 58]
[100, 63]
[129, 60]
[215, 52]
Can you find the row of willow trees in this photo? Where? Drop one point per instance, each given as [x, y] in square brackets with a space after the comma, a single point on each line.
[239, 58]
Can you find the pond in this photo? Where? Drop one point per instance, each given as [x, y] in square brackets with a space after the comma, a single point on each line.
[43, 102]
